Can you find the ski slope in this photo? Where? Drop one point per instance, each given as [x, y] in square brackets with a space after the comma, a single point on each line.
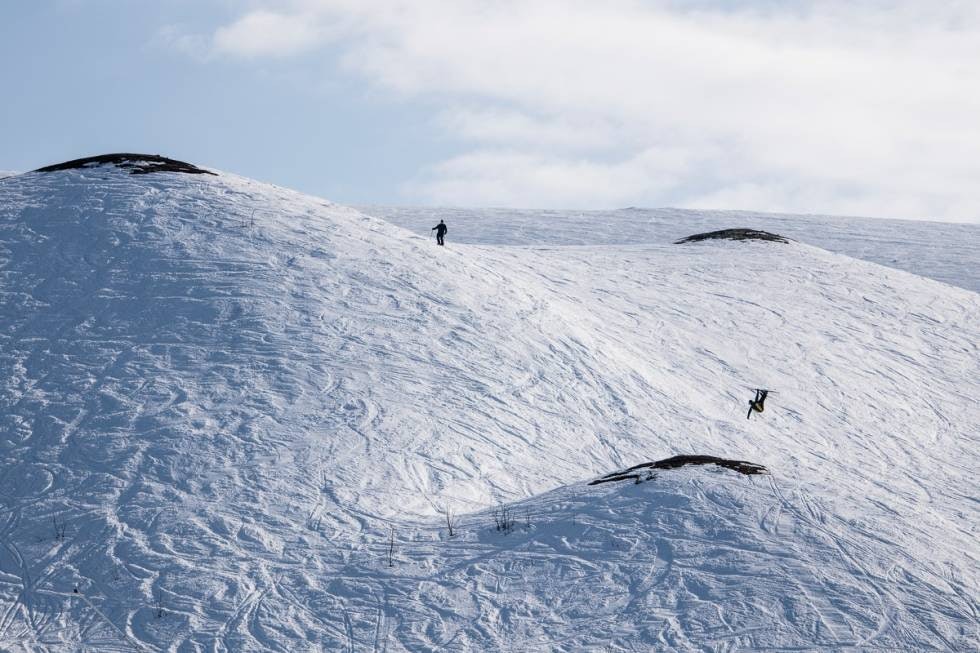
[946, 252]
[233, 417]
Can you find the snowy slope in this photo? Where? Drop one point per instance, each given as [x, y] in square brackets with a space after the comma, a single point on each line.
[946, 252]
[222, 401]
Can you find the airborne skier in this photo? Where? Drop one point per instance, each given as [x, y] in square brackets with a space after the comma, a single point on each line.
[759, 403]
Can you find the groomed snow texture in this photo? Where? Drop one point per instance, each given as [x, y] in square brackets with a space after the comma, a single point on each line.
[233, 417]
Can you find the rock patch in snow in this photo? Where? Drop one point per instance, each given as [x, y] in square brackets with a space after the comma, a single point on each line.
[740, 466]
[733, 234]
[137, 164]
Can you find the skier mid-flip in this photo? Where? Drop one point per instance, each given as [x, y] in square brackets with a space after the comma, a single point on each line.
[440, 230]
[757, 404]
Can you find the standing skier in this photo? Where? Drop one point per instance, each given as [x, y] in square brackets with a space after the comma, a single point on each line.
[440, 230]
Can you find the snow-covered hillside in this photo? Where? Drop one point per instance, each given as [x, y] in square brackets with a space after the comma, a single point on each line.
[233, 418]
[943, 251]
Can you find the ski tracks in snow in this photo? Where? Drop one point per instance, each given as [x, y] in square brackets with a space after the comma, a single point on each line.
[219, 399]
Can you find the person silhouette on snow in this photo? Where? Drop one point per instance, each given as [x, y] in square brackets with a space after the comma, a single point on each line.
[759, 403]
[440, 230]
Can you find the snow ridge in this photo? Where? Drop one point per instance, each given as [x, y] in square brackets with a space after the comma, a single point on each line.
[945, 252]
[234, 417]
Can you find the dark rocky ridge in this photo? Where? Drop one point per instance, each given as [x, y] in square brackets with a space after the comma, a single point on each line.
[634, 472]
[137, 164]
[734, 234]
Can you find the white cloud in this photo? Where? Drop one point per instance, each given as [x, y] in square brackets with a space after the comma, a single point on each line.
[176, 37]
[852, 107]
[496, 126]
[514, 178]
[265, 33]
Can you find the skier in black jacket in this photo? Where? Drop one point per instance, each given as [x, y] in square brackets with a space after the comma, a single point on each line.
[759, 403]
[440, 230]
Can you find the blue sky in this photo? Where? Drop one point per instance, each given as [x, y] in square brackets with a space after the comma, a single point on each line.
[99, 76]
[862, 107]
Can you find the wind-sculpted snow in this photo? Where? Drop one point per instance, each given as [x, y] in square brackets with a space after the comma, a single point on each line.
[233, 417]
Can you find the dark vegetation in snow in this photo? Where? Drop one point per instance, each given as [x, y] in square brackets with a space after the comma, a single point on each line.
[734, 234]
[137, 164]
[633, 473]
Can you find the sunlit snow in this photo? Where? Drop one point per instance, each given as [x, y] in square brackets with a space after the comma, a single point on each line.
[234, 417]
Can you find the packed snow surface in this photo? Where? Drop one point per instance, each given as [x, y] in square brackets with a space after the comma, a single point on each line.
[943, 251]
[237, 418]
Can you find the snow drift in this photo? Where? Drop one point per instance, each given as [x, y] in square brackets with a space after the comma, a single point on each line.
[234, 417]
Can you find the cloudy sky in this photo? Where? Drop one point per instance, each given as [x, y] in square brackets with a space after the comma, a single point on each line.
[863, 107]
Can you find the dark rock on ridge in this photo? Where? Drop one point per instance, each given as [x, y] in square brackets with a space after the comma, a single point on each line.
[137, 164]
[734, 234]
[634, 472]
